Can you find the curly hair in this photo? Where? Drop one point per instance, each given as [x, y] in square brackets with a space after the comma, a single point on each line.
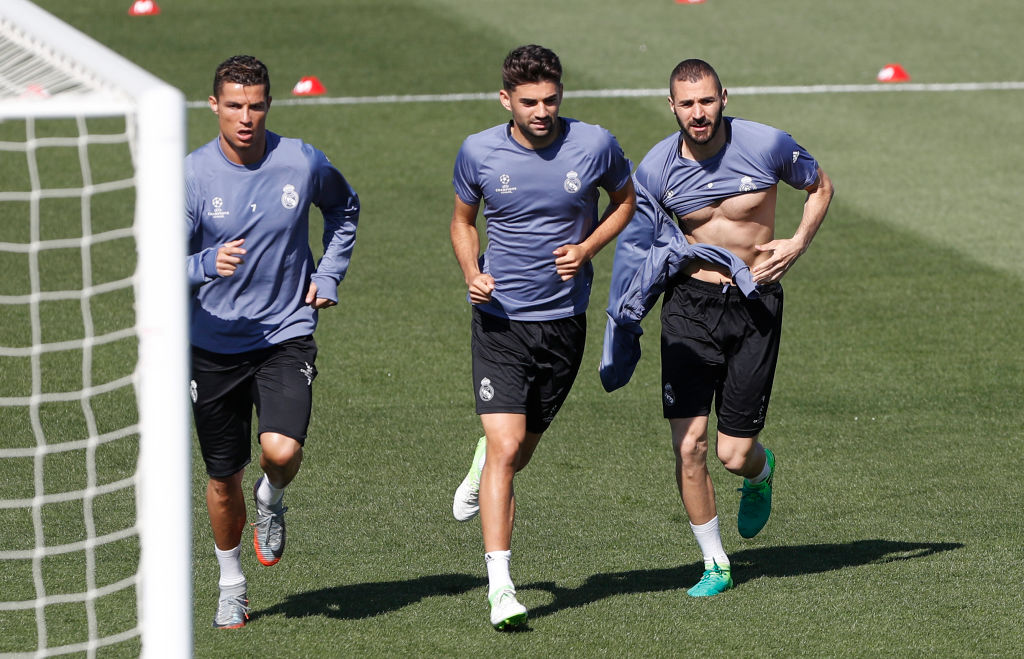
[528, 64]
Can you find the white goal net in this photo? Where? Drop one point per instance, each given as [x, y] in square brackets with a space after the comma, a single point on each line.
[95, 538]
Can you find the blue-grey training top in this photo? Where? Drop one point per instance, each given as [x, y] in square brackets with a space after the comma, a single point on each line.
[534, 202]
[267, 204]
[755, 157]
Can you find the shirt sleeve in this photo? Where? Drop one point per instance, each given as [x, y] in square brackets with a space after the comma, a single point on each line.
[465, 176]
[650, 179]
[339, 204]
[619, 167]
[201, 266]
[793, 164]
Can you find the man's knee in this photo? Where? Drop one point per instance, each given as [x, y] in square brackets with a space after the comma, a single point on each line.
[735, 453]
[279, 450]
[223, 489]
[690, 439]
[505, 450]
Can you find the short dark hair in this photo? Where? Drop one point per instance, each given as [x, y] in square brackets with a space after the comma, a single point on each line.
[528, 64]
[244, 70]
[693, 70]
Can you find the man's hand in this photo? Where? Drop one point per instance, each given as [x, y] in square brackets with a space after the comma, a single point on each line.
[228, 257]
[317, 302]
[569, 259]
[480, 288]
[785, 252]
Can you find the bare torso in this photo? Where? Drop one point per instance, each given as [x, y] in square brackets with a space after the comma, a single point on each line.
[735, 223]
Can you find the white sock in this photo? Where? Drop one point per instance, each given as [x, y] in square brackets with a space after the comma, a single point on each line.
[497, 570]
[765, 472]
[230, 566]
[267, 494]
[710, 542]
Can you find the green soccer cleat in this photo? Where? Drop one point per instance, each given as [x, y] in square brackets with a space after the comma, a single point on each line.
[756, 502]
[715, 580]
[506, 611]
[466, 503]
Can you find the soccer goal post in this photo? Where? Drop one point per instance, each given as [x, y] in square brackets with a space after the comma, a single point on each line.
[95, 511]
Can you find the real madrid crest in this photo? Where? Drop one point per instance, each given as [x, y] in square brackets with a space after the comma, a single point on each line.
[486, 390]
[572, 183]
[289, 197]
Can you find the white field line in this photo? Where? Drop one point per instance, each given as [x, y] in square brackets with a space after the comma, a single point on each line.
[654, 93]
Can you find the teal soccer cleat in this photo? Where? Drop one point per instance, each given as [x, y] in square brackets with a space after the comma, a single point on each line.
[756, 502]
[714, 581]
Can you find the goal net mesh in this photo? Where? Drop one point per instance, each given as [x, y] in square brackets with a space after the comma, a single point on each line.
[71, 347]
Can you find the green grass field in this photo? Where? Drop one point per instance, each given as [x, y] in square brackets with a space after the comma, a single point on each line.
[897, 410]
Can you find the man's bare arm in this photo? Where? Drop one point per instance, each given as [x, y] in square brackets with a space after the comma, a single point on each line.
[622, 204]
[785, 251]
[466, 244]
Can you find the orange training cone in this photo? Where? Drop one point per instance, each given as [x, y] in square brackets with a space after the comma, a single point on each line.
[144, 8]
[308, 86]
[893, 73]
[689, 2]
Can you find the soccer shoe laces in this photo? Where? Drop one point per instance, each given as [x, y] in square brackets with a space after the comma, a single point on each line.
[711, 577]
[711, 574]
[233, 609]
[753, 492]
[264, 523]
[264, 518]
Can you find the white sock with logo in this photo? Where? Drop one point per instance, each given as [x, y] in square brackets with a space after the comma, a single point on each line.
[230, 562]
[710, 542]
[498, 575]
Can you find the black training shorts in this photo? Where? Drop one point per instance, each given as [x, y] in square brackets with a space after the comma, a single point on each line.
[526, 367]
[717, 343]
[277, 381]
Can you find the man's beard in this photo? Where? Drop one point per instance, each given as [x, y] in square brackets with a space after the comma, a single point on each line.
[711, 133]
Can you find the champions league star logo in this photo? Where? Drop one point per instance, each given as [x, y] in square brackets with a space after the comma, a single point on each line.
[746, 184]
[218, 208]
[486, 390]
[572, 183]
[505, 188]
[289, 197]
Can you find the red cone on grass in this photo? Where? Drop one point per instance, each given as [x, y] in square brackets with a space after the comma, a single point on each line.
[893, 73]
[144, 8]
[308, 86]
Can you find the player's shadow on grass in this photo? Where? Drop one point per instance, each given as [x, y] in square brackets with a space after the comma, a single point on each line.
[749, 564]
[366, 600]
